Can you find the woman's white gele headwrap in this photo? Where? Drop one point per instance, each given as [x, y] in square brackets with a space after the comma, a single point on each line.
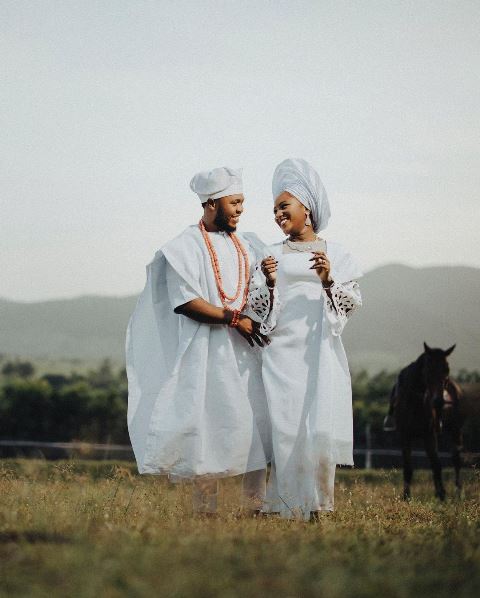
[216, 183]
[299, 178]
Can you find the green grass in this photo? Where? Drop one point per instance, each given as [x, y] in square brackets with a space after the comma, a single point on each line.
[95, 529]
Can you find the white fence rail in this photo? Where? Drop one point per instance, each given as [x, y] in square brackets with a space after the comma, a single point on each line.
[66, 445]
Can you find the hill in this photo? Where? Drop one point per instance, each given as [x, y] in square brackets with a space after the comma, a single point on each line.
[403, 306]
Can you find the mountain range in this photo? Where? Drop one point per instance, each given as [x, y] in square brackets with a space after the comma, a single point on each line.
[402, 308]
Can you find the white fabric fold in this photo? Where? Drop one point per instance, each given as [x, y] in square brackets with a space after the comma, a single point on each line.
[196, 404]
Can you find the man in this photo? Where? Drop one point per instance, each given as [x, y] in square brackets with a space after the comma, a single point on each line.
[196, 406]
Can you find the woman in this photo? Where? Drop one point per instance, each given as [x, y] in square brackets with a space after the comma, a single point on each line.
[304, 292]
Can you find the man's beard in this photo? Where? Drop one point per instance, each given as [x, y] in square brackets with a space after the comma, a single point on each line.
[221, 221]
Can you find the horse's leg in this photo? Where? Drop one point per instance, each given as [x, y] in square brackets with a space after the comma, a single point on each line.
[432, 452]
[457, 464]
[457, 459]
[407, 468]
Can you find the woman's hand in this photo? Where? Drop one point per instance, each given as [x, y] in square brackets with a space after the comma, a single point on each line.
[269, 269]
[250, 331]
[321, 264]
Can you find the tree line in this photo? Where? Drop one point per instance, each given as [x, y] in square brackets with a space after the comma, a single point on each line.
[92, 407]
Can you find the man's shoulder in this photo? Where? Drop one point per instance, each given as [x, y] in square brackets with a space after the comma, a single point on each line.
[187, 240]
[190, 233]
[250, 235]
[253, 240]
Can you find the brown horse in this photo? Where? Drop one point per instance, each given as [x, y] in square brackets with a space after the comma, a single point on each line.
[424, 402]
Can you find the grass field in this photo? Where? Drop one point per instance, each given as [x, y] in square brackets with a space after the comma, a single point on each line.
[96, 529]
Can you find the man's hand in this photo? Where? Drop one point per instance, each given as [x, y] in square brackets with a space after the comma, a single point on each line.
[250, 331]
[269, 269]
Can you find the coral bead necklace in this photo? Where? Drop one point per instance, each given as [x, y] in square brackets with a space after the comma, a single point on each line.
[243, 264]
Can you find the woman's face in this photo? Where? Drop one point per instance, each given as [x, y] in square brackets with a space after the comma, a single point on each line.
[289, 214]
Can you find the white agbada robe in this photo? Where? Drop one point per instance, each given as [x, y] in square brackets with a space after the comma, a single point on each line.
[196, 405]
[306, 377]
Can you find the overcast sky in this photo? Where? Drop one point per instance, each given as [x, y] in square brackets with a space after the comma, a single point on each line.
[109, 107]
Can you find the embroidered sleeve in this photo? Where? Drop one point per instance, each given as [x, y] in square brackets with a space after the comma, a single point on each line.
[346, 299]
[259, 301]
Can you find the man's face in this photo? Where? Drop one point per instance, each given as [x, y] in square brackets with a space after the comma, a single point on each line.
[229, 209]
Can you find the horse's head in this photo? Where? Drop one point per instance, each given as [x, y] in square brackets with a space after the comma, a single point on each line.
[435, 373]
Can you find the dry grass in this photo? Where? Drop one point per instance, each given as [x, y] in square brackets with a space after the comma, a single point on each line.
[88, 529]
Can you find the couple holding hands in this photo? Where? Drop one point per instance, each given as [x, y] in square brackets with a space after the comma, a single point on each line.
[234, 351]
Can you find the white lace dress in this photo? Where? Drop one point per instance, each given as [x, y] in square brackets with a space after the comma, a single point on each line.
[306, 377]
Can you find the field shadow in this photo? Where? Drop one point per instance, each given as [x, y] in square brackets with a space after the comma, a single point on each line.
[33, 537]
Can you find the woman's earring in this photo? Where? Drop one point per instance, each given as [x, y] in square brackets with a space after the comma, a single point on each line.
[308, 222]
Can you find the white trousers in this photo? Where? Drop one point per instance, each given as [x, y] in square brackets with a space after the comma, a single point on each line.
[205, 492]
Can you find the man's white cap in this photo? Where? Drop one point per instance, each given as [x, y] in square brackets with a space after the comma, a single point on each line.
[219, 182]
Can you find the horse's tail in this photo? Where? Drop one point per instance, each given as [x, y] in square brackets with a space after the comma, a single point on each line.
[389, 424]
[393, 396]
[394, 390]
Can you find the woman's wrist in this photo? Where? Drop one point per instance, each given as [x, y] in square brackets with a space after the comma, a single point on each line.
[327, 283]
